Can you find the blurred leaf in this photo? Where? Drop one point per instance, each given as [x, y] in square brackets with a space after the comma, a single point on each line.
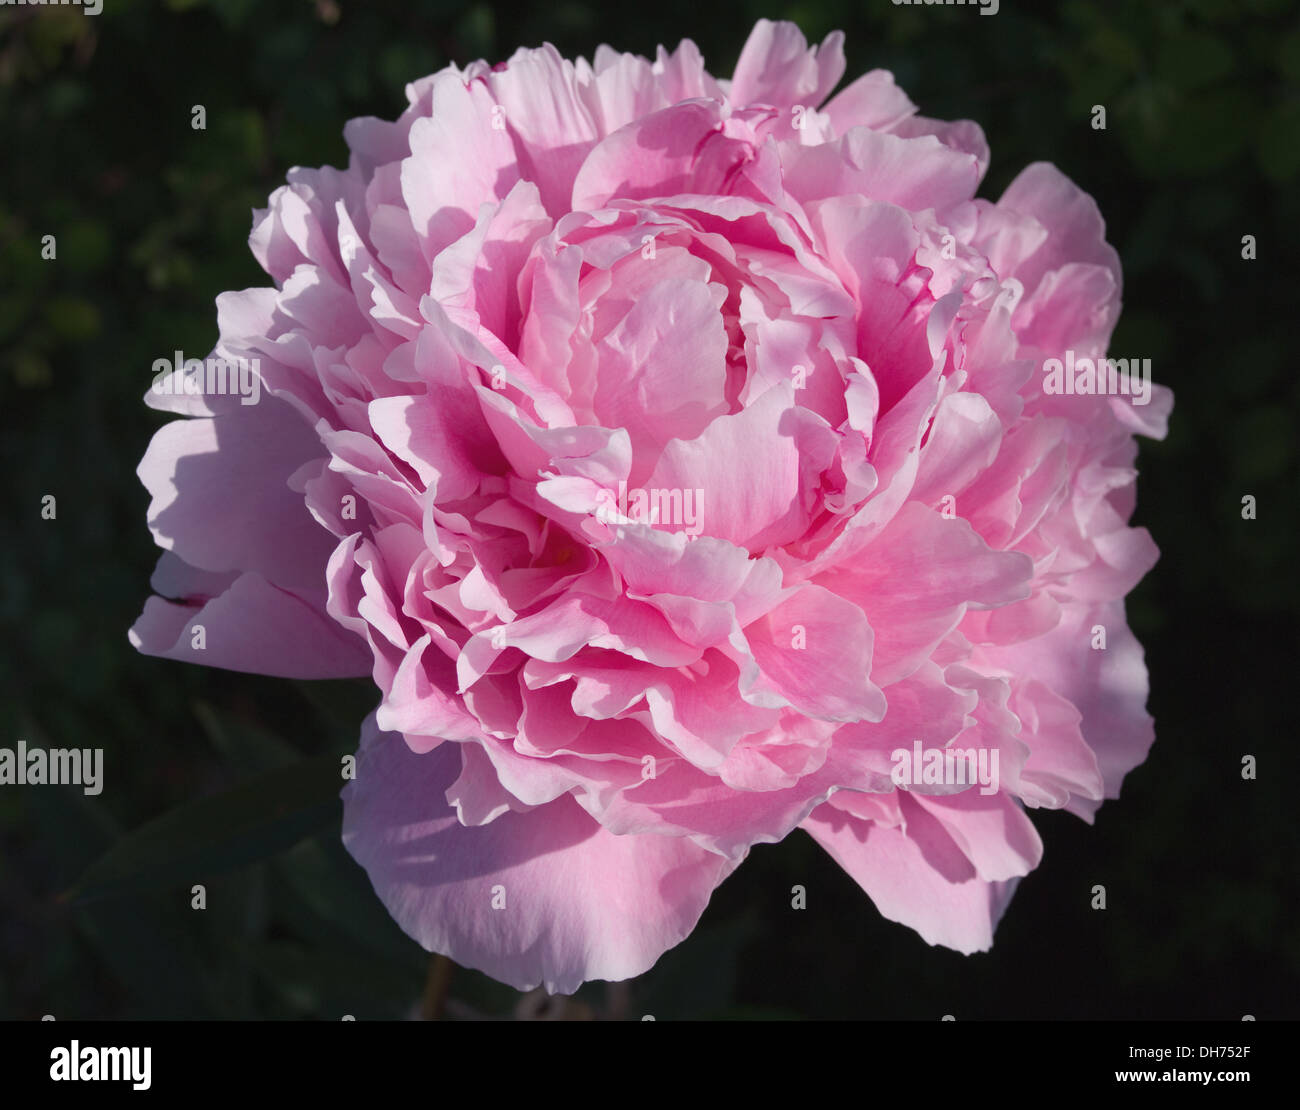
[341, 704]
[31, 370]
[259, 818]
[75, 319]
[1278, 148]
[1116, 50]
[1288, 55]
[84, 246]
[326, 894]
[1192, 60]
[241, 742]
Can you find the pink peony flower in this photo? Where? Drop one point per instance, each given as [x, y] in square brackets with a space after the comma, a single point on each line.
[685, 460]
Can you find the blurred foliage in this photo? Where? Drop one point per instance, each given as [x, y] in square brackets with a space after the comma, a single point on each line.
[151, 218]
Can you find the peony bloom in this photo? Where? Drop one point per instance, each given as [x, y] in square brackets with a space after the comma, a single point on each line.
[682, 459]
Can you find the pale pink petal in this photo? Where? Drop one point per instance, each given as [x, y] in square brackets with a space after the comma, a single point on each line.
[916, 877]
[252, 626]
[576, 902]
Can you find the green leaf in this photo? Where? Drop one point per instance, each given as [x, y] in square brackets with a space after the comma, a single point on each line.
[260, 817]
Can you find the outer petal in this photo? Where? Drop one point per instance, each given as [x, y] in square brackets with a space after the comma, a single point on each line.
[872, 100]
[545, 112]
[1109, 688]
[577, 902]
[1077, 231]
[916, 876]
[252, 627]
[778, 67]
[222, 500]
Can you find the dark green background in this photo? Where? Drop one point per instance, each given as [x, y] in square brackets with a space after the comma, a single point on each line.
[1202, 147]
